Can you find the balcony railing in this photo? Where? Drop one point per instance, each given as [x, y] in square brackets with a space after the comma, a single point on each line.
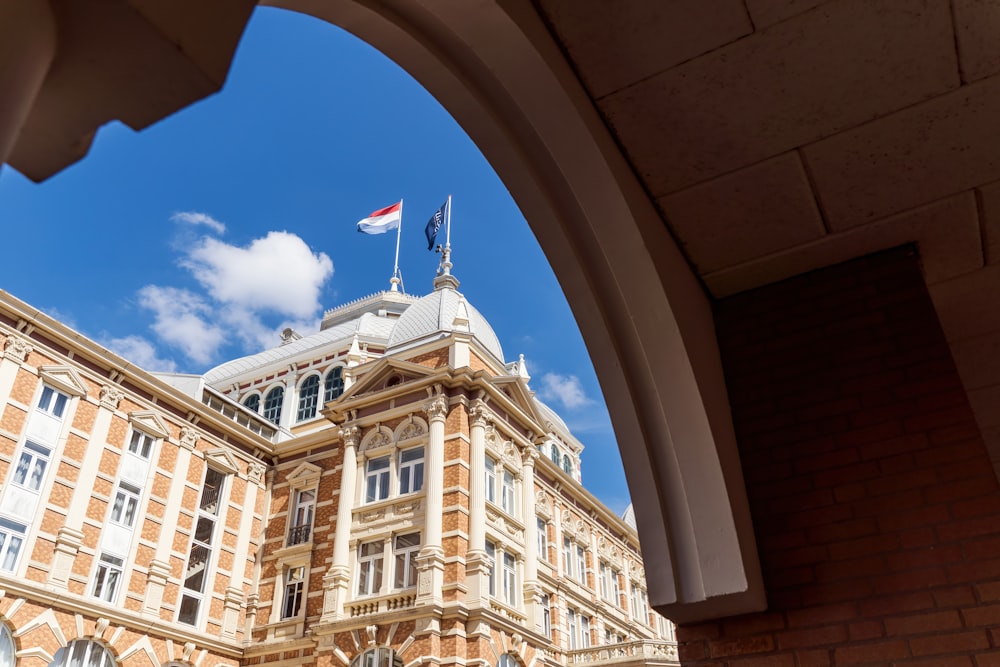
[299, 534]
[642, 651]
[393, 602]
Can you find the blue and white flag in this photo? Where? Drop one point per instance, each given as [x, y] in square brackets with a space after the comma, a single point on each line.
[434, 224]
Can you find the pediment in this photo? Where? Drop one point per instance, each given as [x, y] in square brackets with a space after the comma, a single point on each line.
[384, 371]
[223, 461]
[149, 422]
[64, 378]
[516, 390]
[307, 474]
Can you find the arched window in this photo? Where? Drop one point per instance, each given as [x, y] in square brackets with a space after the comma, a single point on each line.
[84, 653]
[555, 454]
[308, 398]
[508, 660]
[383, 656]
[272, 404]
[7, 649]
[252, 402]
[334, 384]
[567, 465]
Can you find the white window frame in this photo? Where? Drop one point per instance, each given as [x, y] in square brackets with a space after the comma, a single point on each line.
[508, 498]
[509, 571]
[616, 587]
[52, 402]
[308, 404]
[542, 531]
[491, 551]
[108, 576]
[294, 593]
[584, 631]
[141, 444]
[32, 453]
[301, 517]
[84, 653]
[546, 602]
[129, 496]
[410, 473]
[581, 563]
[377, 479]
[491, 478]
[13, 536]
[572, 629]
[273, 412]
[404, 560]
[568, 544]
[372, 566]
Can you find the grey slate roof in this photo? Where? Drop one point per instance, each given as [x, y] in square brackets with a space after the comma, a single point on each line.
[433, 316]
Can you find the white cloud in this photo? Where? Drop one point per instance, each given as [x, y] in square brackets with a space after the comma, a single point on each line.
[141, 352]
[195, 218]
[566, 389]
[182, 320]
[277, 273]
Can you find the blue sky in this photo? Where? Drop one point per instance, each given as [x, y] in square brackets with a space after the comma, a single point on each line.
[198, 239]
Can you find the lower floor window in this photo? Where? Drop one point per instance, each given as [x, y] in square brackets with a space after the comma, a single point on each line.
[295, 578]
[370, 568]
[377, 657]
[11, 540]
[107, 578]
[83, 653]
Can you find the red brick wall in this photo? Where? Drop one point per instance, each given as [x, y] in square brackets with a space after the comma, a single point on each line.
[876, 509]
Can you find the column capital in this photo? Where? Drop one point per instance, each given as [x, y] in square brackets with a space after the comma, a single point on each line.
[528, 456]
[351, 435]
[16, 349]
[437, 408]
[111, 396]
[479, 414]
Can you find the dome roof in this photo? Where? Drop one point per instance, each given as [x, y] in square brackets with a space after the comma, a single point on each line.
[438, 314]
[368, 325]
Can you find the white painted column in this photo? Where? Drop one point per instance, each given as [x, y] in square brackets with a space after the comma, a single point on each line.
[477, 563]
[430, 562]
[27, 48]
[336, 582]
[159, 567]
[69, 538]
[531, 588]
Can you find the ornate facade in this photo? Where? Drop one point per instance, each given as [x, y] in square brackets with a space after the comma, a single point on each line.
[387, 490]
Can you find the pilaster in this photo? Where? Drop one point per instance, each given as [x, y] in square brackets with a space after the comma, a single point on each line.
[336, 582]
[477, 564]
[430, 562]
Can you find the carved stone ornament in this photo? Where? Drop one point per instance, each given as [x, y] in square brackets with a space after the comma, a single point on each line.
[371, 631]
[255, 472]
[111, 396]
[17, 349]
[412, 430]
[543, 504]
[437, 408]
[377, 438]
[374, 515]
[351, 436]
[479, 415]
[189, 437]
[510, 454]
[529, 455]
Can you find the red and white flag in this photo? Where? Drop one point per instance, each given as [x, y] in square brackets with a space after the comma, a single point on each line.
[382, 220]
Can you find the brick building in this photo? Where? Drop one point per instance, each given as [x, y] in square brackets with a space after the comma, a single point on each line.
[386, 490]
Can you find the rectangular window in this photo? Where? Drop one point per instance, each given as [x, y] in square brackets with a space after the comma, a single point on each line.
[639, 604]
[604, 572]
[581, 565]
[108, 577]
[546, 616]
[543, 539]
[370, 556]
[141, 444]
[616, 591]
[199, 558]
[377, 479]
[491, 551]
[509, 580]
[11, 540]
[568, 556]
[411, 470]
[491, 479]
[507, 501]
[31, 465]
[405, 551]
[52, 402]
[123, 509]
[584, 631]
[571, 622]
[295, 579]
[302, 517]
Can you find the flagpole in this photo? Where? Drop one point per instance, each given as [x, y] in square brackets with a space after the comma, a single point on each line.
[446, 253]
[395, 280]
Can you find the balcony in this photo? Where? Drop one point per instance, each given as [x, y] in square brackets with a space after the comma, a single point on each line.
[642, 652]
[371, 606]
[299, 534]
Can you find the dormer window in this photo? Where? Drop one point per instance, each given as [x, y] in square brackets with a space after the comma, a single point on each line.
[308, 398]
[334, 384]
[252, 402]
[272, 404]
